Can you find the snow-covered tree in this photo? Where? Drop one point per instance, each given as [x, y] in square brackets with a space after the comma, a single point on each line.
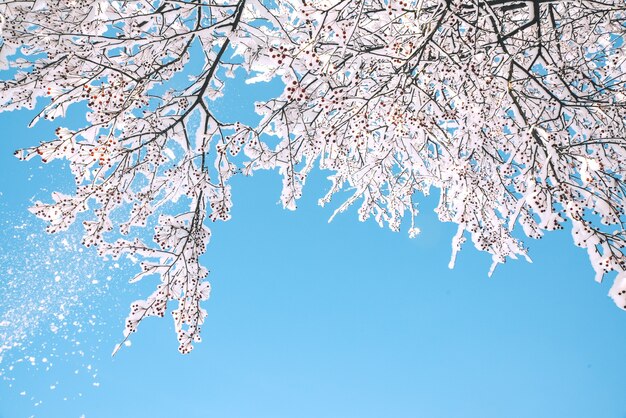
[513, 111]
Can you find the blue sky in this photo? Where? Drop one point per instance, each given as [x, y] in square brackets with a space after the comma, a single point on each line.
[306, 319]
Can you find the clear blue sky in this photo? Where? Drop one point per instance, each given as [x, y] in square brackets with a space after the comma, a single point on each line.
[306, 319]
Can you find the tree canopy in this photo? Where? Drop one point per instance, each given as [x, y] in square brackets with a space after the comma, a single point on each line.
[514, 112]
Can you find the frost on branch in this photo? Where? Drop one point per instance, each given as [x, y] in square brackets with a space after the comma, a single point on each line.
[512, 111]
[181, 239]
